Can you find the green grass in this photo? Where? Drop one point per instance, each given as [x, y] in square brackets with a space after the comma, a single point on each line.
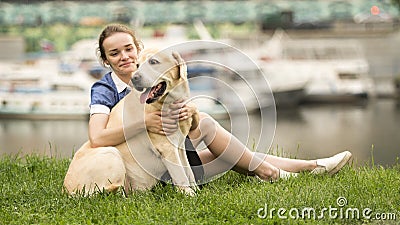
[31, 193]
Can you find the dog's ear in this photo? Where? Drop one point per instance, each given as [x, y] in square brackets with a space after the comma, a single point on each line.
[182, 66]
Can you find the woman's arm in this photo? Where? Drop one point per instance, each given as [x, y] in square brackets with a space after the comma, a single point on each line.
[101, 136]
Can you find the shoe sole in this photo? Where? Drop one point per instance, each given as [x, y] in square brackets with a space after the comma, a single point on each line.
[342, 163]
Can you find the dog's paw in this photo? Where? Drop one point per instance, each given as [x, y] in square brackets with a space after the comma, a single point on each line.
[187, 191]
[194, 186]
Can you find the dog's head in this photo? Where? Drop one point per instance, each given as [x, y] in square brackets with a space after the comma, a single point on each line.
[159, 73]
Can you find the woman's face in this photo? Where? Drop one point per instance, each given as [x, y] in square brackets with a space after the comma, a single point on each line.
[121, 53]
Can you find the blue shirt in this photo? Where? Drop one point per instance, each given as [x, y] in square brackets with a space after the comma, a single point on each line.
[106, 93]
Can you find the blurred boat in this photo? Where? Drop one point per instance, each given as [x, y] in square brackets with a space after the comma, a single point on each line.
[287, 86]
[237, 81]
[204, 94]
[333, 70]
[40, 91]
[289, 92]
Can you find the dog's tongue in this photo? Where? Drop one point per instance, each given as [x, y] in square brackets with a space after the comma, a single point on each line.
[143, 96]
[149, 93]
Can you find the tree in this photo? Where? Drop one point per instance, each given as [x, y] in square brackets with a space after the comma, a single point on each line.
[396, 3]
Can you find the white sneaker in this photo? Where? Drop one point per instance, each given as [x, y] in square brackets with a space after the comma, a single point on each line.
[332, 164]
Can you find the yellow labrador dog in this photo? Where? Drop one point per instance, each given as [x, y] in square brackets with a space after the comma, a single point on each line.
[141, 161]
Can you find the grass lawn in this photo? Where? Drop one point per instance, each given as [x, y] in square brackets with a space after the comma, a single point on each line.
[31, 194]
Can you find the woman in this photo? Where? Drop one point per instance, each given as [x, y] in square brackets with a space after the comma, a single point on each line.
[118, 50]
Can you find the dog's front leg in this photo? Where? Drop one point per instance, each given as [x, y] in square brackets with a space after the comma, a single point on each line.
[172, 161]
[186, 165]
[179, 178]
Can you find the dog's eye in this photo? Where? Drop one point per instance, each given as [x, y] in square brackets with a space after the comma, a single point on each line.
[153, 61]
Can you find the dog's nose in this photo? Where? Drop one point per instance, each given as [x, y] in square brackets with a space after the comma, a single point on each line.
[136, 77]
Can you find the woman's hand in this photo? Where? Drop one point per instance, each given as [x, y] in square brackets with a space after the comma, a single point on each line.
[181, 110]
[161, 123]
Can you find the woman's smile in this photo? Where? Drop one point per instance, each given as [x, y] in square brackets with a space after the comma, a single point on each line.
[126, 64]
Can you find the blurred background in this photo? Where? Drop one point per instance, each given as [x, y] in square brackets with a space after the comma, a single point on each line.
[333, 67]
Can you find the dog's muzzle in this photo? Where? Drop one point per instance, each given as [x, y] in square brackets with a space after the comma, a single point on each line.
[136, 81]
[152, 94]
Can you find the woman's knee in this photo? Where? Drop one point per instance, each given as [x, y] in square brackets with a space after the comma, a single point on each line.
[205, 131]
[207, 122]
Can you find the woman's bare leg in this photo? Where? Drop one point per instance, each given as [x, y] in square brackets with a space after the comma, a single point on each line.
[227, 152]
[290, 165]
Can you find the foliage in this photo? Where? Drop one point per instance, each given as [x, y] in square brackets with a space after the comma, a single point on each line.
[396, 3]
[60, 35]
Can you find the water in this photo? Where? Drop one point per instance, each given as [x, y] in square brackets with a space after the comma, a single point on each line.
[308, 131]
[321, 130]
[48, 137]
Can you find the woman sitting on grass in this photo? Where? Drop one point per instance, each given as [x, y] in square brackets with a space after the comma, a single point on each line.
[118, 50]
